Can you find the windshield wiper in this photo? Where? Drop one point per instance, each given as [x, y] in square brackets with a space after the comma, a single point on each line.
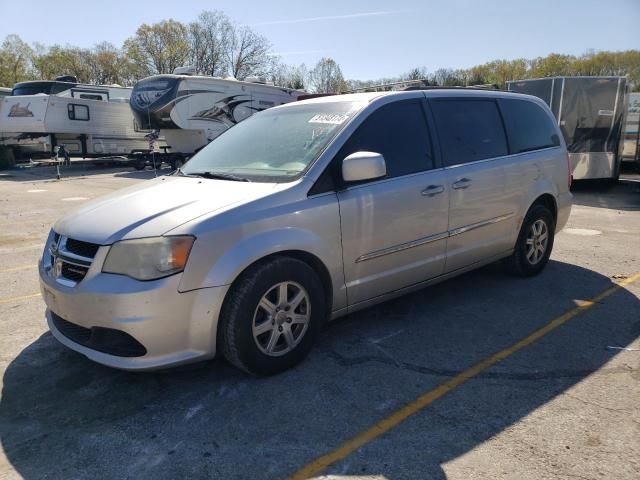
[218, 176]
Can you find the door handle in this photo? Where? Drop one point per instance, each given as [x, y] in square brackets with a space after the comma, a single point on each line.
[461, 184]
[432, 190]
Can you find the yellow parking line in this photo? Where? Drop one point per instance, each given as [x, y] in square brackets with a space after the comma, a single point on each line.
[17, 269]
[393, 420]
[19, 298]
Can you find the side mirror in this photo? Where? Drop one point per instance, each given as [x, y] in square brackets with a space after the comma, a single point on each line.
[363, 166]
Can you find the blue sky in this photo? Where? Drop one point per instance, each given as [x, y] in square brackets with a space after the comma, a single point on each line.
[368, 38]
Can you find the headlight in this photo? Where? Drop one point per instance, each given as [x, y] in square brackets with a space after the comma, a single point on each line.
[148, 258]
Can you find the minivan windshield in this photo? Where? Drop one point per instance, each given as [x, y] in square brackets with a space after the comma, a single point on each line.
[275, 145]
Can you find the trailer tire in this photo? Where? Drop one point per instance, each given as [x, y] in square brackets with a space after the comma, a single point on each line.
[177, 163]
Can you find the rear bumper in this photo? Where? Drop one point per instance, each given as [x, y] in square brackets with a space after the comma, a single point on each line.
[173, 327]
[564, 202]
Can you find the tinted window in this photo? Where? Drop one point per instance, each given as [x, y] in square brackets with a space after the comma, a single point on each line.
[34, 88]
[91, 96]
[399, 132]
[469, 130]
[528, 126]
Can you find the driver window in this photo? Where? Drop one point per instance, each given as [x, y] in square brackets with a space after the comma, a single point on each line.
[399, 132]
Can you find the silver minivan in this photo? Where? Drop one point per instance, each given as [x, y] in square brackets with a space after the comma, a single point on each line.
[301, 214]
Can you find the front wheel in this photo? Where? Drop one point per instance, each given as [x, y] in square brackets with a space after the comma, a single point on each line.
[272, 316]
[534, 244]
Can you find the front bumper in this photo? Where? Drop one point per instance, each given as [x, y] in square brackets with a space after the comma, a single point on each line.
[173, 327]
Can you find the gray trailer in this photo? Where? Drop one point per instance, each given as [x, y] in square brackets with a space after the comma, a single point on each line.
[590, 112]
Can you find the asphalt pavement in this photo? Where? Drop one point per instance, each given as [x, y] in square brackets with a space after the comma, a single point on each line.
[483, 376]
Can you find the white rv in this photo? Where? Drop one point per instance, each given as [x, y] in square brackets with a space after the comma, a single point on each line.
[190, 111]
[631, 131]
[89, 120]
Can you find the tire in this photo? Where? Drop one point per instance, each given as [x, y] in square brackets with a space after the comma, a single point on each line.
[177, 163]
[523, 262]
[244, 316]
[139, 165]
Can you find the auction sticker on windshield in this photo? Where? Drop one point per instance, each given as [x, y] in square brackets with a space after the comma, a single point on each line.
[331, 118]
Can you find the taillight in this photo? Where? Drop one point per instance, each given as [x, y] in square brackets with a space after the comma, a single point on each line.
[569, 171]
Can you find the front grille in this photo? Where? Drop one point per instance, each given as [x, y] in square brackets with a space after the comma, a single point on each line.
[84, 249]
[69, 259]
[73, 272]
[105, 340]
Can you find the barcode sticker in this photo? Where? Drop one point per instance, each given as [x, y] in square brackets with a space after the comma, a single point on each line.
[330, 118]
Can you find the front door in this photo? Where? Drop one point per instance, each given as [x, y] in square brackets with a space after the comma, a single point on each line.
[394, 229]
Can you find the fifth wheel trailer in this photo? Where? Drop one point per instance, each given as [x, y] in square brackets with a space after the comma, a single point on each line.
[189, 111]
[89, 120]
[590, 112]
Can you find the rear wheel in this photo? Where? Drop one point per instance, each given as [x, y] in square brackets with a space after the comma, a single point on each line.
[177, 163]
[534, 244]
[272, 316]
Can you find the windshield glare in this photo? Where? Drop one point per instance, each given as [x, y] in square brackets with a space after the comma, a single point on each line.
[275, 145]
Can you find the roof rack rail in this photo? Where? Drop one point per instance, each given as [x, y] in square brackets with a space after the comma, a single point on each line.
[421, 84]
[385, 87]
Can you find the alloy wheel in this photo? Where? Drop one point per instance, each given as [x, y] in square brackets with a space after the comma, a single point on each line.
[281, 318]
[537, 241]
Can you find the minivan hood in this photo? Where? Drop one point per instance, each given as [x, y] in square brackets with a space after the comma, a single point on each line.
[154, 207]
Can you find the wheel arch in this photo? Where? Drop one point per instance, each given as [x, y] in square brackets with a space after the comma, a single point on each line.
[549, 201]
[310, 259]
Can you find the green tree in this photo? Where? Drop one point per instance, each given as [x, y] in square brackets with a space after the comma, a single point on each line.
[15, 61]
[159, 48]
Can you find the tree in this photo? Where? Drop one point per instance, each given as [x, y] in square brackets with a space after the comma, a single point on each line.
[290, 76]
[326, 77]
[159, 48]
[210, 39]
[248, 53]
[552, 65]
[417, 73]
[15, 61]
[56, 60]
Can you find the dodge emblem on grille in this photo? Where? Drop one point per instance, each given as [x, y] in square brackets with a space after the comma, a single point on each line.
[57, 268]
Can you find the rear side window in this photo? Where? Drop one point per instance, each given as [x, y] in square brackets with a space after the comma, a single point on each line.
[469, 129]
[528, 126]
[399, 132]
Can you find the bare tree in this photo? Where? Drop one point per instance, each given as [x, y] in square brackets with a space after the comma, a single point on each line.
[248, 53]
[417, 73]
[326, 77]
[290, 76]
[210, 41]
